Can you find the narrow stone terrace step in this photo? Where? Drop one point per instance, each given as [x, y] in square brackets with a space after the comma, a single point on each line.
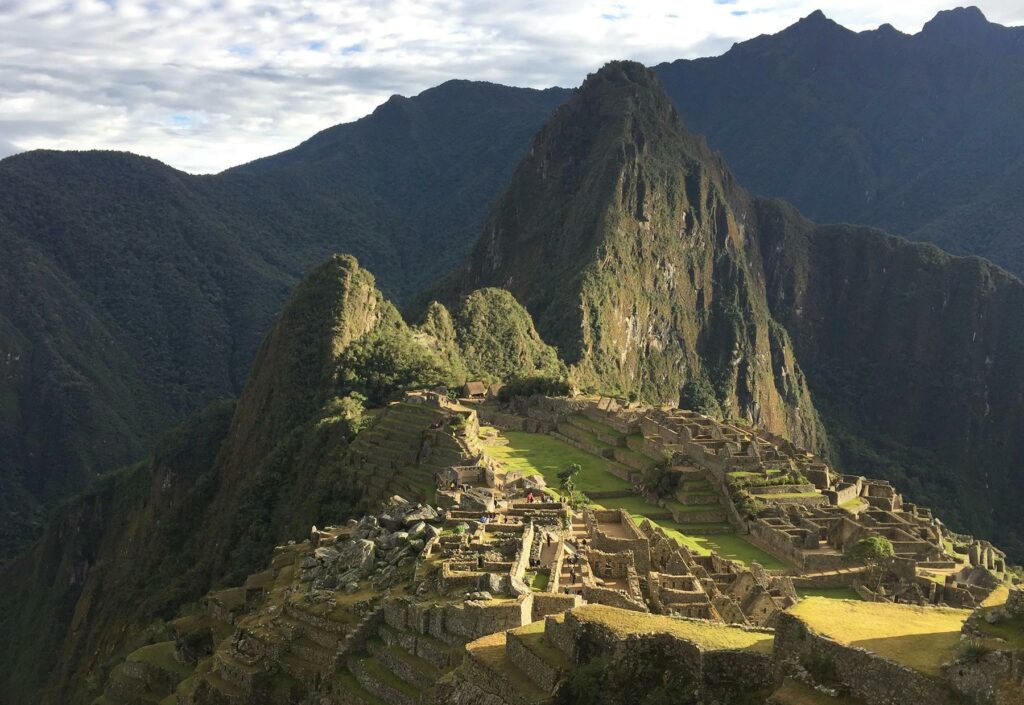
[377, 679]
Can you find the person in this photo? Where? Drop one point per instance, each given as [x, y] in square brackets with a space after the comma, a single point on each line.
[452, 488]
[572, 574]
[549, 540]
[484, 519]
[529, 497]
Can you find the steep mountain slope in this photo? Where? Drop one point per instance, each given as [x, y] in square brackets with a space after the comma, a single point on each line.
[630, 245]
[132, 294]
[917, 134]
[914, 360]
[218, 493]
[623, 235]
[208, 502]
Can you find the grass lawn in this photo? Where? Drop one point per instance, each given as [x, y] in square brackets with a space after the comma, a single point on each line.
[540, 454]
[840, 593]
[730, 546]
[921, 638]
[708, 635]
[633, 504]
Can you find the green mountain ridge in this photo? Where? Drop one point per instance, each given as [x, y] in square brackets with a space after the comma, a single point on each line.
[916, 134]
[236, 479]
[604, 192]
[625, 238]
[132, 294]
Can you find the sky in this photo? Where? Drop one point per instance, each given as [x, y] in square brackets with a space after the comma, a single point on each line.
[207, 85]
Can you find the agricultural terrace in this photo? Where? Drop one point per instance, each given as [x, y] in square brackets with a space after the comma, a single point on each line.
[922, 638]
[707, 635]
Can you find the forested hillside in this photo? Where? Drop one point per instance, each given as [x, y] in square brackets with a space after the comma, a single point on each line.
[132, 294]
[916, 134]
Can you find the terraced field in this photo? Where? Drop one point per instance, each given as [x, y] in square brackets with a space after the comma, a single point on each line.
[922, 638]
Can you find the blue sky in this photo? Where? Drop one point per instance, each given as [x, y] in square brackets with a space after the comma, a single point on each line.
[207, 85]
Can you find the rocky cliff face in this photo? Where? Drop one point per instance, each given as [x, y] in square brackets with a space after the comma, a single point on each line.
[913, 357]
[634, 250]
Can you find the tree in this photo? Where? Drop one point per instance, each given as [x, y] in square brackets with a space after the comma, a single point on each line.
[567, 487]
[871, 552]
[567, 478]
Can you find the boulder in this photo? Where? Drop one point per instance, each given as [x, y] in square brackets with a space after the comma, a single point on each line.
[418, 529]
[358, 555]
[422, 513]
[476, 502]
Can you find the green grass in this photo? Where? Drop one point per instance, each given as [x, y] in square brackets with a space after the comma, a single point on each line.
[840, 593]
[161, 655]
[539, 580]
[539, 454]
[922, 638]
[1010, 631]
[707, 635]
[635, 505]
[729, 546]
[594, 426]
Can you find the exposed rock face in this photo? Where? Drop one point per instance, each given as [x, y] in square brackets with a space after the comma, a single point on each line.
[634, 250]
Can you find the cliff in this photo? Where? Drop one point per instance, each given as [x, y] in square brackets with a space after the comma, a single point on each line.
[631, 245]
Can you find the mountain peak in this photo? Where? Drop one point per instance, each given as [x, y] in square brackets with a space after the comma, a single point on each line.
[956, 22]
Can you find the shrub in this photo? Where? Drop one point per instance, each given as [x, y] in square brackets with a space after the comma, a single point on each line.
[534, 384]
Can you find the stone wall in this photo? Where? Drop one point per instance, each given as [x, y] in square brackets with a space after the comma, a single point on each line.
[776, 542]
[864, 675]
[1015, 602]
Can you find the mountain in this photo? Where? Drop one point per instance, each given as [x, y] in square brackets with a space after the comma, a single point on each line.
[630, 244]
[913, 360]
[916, 134]
[132, 294]
[640, 257]
[218, 493]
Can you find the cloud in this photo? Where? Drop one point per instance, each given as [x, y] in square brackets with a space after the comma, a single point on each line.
[7, 149]
[205, 85]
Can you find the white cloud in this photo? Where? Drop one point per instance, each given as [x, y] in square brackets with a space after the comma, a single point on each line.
[203, 85]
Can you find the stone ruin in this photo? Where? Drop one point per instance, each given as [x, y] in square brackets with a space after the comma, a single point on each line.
[798, 509]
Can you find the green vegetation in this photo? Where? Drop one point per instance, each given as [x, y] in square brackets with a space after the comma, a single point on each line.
[540, 454]
[840, 593]
[707, 635]
[727, 545]
[136, 294]
[498, 340]
[388, 361]
[534, 384]
[922, 638]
